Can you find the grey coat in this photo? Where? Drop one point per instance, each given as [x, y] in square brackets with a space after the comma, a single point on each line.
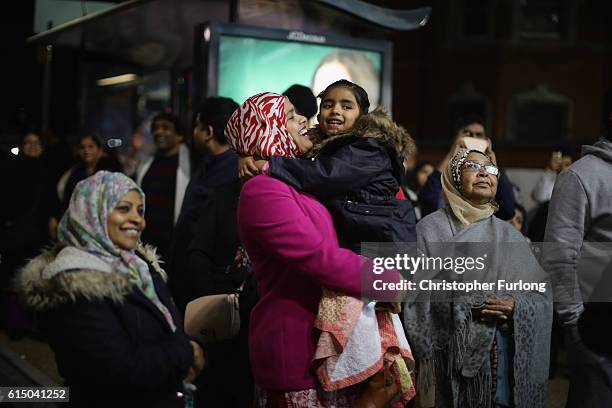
[451, 347]
[579, 222]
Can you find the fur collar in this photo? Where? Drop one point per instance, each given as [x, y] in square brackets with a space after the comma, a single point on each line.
[42, 294]
[376, 124]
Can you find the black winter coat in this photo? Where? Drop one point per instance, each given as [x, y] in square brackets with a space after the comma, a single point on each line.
[209, 249]
[198, 245]
[357, 176]
[111, 344]
[209, 256]
[25, 215]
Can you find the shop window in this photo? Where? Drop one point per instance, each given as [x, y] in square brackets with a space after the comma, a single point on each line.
[539, 117]
[543, 19]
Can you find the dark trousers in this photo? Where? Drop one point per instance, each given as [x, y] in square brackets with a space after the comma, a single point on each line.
[590, 374]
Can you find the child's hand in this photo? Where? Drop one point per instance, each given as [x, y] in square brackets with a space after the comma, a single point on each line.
[247, 168]
[260, 164]
[378, 391]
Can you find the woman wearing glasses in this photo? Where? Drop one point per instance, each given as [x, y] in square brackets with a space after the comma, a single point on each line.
[469, 134]
[489, 347]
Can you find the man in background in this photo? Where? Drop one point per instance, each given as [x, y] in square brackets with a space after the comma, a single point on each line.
[164, 178]
[205, 257]
[579, 222]
[217, 167]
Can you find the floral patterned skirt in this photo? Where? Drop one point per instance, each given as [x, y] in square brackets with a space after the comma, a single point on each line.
[309, 398]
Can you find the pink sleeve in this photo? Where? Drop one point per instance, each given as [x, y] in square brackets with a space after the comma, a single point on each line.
[269, 215]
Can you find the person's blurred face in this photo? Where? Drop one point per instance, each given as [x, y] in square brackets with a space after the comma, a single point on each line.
[423, 173]
[473, 130]
[297, 127]
[89, 152]
[518, 220]
[409, 163]
[126, 222]
[166, 137]
[478, 186]
[202, 135]
[559, 161]
[566, 161]
[32, 146]
[339, 111]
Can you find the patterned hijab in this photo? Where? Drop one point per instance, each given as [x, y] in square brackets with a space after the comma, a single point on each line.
[84, 226]
[259, 128]
[465, 211]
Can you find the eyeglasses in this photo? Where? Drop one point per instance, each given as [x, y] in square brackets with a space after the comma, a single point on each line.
[473, 166]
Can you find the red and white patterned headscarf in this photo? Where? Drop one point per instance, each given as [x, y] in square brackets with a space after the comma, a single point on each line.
[259, 128]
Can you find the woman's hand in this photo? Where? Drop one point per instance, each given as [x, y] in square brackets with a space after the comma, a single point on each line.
[498, 308]
[198, 356]
[198, 362]
[191, 376]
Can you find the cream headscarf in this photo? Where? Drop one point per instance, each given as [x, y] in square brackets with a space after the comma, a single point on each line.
[465, 211]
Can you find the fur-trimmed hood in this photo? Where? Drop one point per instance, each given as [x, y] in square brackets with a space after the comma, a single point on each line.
[376, 124]
[40, 293]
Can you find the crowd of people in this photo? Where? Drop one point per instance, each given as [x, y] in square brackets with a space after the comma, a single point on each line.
[261, 202]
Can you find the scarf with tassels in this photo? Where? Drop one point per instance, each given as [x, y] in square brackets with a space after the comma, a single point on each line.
[452, 349]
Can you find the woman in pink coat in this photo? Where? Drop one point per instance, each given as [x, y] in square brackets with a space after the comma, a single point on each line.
[293, 247]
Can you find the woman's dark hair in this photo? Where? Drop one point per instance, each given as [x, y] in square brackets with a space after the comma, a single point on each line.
[93, 137]
[566, 149]
[360, 94]
[302, 98]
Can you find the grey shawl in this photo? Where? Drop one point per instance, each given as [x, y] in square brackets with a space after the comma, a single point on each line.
[453, 351]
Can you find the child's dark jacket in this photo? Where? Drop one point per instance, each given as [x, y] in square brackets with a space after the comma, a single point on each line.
[357, 175]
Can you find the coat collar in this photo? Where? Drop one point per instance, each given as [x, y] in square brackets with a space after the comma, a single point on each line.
[42, 294]
[376, 124]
